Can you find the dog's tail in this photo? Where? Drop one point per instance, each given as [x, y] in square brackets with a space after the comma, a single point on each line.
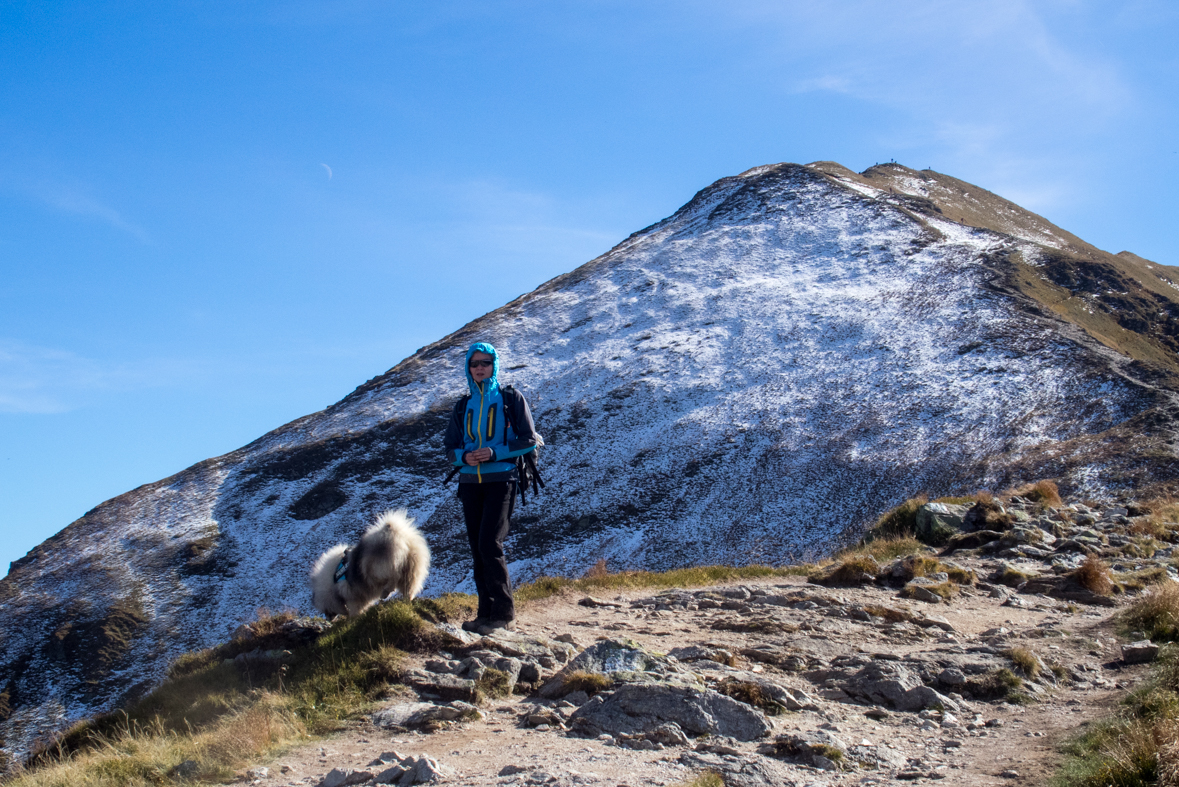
[408, 561]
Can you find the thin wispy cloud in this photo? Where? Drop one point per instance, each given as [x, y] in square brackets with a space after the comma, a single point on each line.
[47, 380]
[78, 203]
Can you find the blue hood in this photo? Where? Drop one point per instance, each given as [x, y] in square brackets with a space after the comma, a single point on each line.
[492, 382]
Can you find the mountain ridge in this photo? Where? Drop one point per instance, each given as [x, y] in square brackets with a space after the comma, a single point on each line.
[749, 380]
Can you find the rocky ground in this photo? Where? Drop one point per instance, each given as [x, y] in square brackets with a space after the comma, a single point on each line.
[782, 681]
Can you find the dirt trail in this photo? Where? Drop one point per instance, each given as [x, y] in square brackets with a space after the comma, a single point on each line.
[986, 742]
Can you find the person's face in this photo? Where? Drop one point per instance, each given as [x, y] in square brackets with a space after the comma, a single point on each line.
[481, 365]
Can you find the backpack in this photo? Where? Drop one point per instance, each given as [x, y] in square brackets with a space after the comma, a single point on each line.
[527, 465]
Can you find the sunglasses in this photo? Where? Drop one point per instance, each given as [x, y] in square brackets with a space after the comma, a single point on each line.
[474, 364]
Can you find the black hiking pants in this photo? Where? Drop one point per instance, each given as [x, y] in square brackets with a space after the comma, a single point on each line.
[487, 508]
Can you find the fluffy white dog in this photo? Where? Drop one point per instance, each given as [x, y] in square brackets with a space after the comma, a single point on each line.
[391, 555]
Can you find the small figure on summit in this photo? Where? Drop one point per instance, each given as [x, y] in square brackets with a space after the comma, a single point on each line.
[489, 429]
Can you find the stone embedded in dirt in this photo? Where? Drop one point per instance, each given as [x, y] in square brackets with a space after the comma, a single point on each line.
[895, 685]
[935, 621]
[744, 685]
[1139, 652]
[701, 653]
[424, 770]
[590, 601]
[623, 661]
[816, 748]
[392, 775]
[416, 714]
[916, 590]
[448, 687]
[641, 707]
[527, 646]
[749, 770]
[512, 770]
[342, 778]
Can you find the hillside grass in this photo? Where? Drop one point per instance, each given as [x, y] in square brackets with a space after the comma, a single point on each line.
[1136, 745]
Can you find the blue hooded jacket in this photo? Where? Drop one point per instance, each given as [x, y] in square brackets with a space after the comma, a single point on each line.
[492, 416]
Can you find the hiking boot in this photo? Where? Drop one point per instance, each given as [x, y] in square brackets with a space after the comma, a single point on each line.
[492, 626]
[474, 625]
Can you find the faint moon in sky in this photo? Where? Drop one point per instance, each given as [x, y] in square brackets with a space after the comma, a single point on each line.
[329, 170]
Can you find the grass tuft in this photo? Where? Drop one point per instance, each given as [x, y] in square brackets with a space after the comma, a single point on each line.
[705, 779]
[1011, 577]
[1093, 575]
[1156, 614]
[494, 683]
[1027, 662]
[589, 682]
[1043, 492]
[852, 571]
[899, 522]
[751, 694]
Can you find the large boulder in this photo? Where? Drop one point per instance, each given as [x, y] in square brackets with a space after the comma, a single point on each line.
[893, 684]
[938, 522]
[637, 708]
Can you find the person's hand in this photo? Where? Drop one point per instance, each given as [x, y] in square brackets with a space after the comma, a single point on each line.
[477, 456]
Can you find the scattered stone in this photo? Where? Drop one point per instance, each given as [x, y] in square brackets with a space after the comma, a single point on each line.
[417, 714]
[817, 748]
[448, 687]
[1139, 652]
[745, 771]
[342, 778]
[590, 601]
[638, 707]
[511, 770]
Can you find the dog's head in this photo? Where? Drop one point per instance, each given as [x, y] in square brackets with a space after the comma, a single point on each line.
[325, 590]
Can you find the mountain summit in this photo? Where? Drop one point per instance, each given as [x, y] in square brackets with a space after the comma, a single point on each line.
[749, 380]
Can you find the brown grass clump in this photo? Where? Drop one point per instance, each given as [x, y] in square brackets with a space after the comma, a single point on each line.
[597, 570]
[751, 694]
[1139, 580]
[853, 571]
[898, 522]
[918, 566]
[1156, 614]
[884, 549]
[705, 779]
[589, 682]
[1011, 577]
[494, 683]
[266, 622]
[1094, 575]
[1043, 492]
[144, 756]
[1026, 661]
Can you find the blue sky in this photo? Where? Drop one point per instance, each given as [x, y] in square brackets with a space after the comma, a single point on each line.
[218, 216]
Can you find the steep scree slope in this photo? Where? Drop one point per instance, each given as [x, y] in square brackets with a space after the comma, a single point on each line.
[791, 352]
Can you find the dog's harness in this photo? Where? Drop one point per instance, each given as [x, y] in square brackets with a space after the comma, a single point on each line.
[342, 569]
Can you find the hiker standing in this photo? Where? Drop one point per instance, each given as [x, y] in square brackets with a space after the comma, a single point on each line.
[488, 429]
